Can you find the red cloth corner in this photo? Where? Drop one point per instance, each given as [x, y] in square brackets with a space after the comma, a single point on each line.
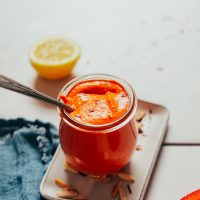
[193, 196]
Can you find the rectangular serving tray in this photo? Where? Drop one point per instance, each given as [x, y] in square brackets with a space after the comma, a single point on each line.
[140, 166]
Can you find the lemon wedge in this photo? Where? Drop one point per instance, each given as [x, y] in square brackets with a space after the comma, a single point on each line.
[54, 58]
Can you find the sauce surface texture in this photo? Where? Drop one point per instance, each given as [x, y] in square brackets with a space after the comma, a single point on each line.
[97, 102]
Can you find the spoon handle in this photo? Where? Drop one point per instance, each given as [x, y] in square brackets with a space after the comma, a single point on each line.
[13, 85]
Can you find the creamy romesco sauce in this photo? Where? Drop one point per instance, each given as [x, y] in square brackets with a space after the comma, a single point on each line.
[97, 102]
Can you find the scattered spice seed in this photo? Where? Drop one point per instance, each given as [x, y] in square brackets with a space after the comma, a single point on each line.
[61, 183]
[82, 174]
[126, 177]
[122, 193]
[129, 189]
[139, 115]
[67, 193]
[150, 111]
[139, 148]
[140, 131]
[139, 126]
[91, 110]
[115, 189]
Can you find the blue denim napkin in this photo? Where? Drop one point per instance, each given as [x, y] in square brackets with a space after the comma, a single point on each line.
[25, 150]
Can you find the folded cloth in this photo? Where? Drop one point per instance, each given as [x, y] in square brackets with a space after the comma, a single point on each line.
[25, 150]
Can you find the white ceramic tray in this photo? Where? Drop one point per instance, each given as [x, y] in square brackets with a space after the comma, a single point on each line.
[141, 164]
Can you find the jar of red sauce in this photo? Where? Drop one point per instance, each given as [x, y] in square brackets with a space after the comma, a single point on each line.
[103, 148]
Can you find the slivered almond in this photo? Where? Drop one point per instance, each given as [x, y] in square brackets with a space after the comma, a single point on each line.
[122, 193]
[61, 183]
[67, 167]
[115, 189]
[139, 115]
[80, 197]
[67, 193]
[126, 177]
[139, 127]
[139, 148]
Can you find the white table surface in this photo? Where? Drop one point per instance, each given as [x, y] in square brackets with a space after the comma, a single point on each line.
[153, 44]
[176, 174]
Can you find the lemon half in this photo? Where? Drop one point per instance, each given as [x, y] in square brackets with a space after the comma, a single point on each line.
[54, 58]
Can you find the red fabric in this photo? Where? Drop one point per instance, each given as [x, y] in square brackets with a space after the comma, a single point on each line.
[192, 196]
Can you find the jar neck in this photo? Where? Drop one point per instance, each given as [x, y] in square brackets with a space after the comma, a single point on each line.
[118, 123]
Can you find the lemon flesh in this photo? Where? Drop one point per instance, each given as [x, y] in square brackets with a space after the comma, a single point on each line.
[54, 58]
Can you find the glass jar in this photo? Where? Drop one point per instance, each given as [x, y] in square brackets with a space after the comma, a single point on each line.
[98, 150]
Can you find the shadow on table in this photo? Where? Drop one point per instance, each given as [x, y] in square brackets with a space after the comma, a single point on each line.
[50, 87]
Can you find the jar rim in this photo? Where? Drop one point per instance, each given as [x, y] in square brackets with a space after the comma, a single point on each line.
[126, 117]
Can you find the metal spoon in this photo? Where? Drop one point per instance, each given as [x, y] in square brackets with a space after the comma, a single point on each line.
[10, 84]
